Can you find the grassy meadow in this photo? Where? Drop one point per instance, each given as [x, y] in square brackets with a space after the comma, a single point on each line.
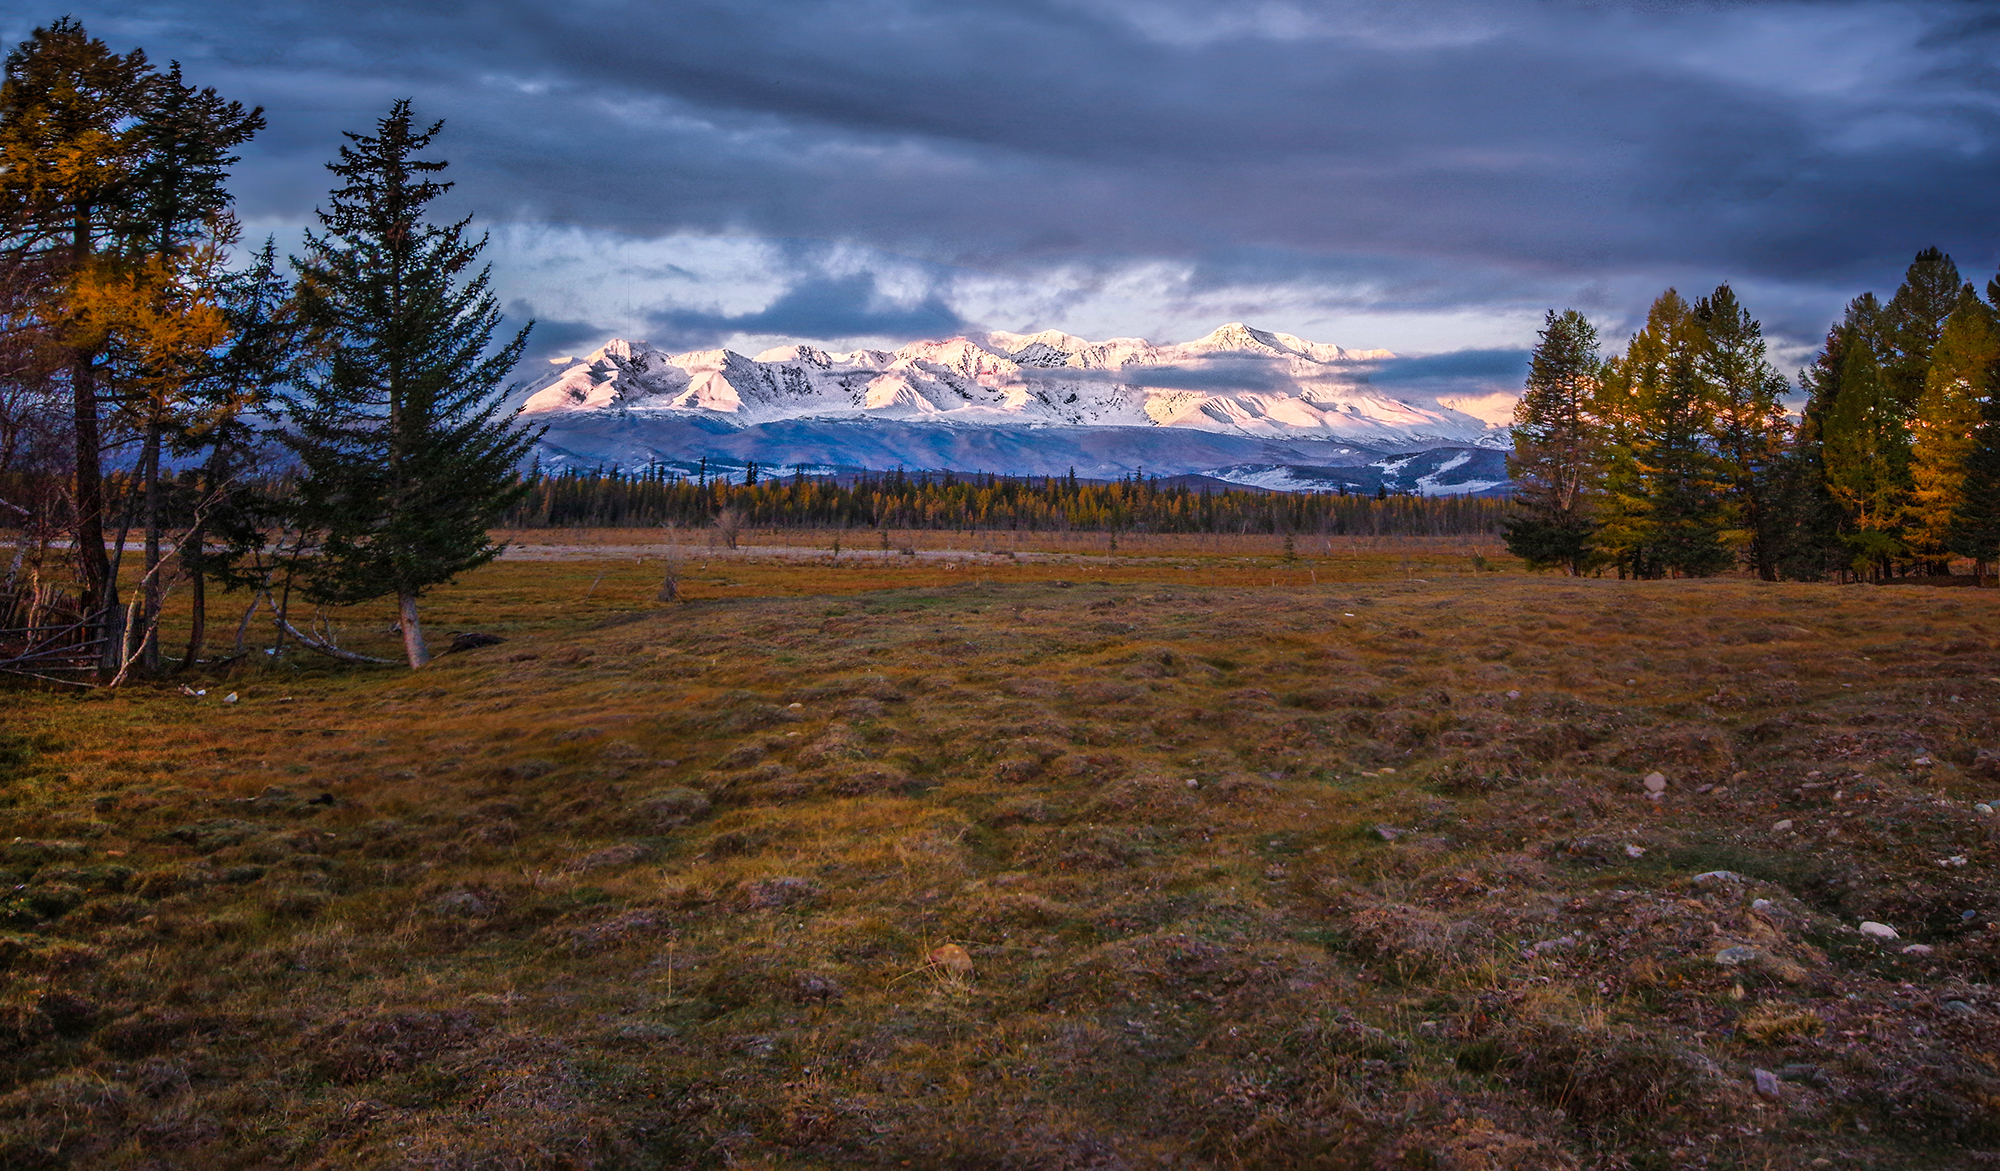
[1187, 853]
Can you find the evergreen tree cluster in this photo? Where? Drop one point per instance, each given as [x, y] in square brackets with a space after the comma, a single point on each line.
[129, 334]
[1678, 457]
[896, 500]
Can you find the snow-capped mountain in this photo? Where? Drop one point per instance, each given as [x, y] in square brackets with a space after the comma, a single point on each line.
[993, 402]
[1236, 380]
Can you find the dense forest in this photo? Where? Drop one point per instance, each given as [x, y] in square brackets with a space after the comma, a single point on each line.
[1679, 458]
[898, 500]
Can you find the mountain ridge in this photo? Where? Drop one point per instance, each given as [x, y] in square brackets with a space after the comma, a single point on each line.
[1000, 402]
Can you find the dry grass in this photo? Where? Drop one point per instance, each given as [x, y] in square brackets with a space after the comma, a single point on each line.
[1125, 861]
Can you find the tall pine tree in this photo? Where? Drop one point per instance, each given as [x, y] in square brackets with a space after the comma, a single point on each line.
[1865, 444]
[1803, 525]
[1554, 463]
[1974, 530]
[1913, 322]
[1750, 422]
[406, 456]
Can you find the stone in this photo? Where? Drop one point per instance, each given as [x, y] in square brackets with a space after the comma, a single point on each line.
[1656, 782]
[1876, 930]
[1513, 695]
[1960, 1008]
[1716, 877]
[1803, 1073]
[1763, 905]
[1782, 826]
[1767, 1084]
[1737, 955]
[953, 960]
[1388, 833]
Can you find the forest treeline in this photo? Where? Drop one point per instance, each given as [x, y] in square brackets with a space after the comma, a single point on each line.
[1678, 457]
[896, 500]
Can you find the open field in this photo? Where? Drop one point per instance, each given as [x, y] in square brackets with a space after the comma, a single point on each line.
[1173, 856]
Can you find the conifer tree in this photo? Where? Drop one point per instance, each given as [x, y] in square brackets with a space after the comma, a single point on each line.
[1803, 525]
[1750, 423]
[178, 221]
[1974, 528]
[1942, 428]
[1864, 444]
[1665, 503]
[1913, 321]
[1554, 463]
[69, 112]
[242, 378]
[405, 454]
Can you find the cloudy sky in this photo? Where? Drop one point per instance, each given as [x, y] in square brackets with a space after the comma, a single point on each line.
[1426, 177]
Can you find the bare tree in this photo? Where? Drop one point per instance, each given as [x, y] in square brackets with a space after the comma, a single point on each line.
[728, 525]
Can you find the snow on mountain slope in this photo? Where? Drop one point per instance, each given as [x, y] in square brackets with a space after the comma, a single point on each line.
[1441, 471]
[1236, 381]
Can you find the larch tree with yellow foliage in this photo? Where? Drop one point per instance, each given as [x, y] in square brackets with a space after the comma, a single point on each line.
[114, 172]
[1942, 430]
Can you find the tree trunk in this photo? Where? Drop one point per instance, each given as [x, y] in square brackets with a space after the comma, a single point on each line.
[413, 631]
[100, 589]
[243, 627]
[154, 595]
[197, 598]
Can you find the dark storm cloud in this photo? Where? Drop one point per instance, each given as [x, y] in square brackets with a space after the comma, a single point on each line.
[1503, 154]
[1496, 366]
[818, 307]
[551, 336]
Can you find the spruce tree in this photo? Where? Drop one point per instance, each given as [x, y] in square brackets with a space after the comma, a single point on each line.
[1913, 322]
[1554, 463]
[1974, 530]
[406, 457]
[1802, 527]
[1865, 445]
[1750, 423]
